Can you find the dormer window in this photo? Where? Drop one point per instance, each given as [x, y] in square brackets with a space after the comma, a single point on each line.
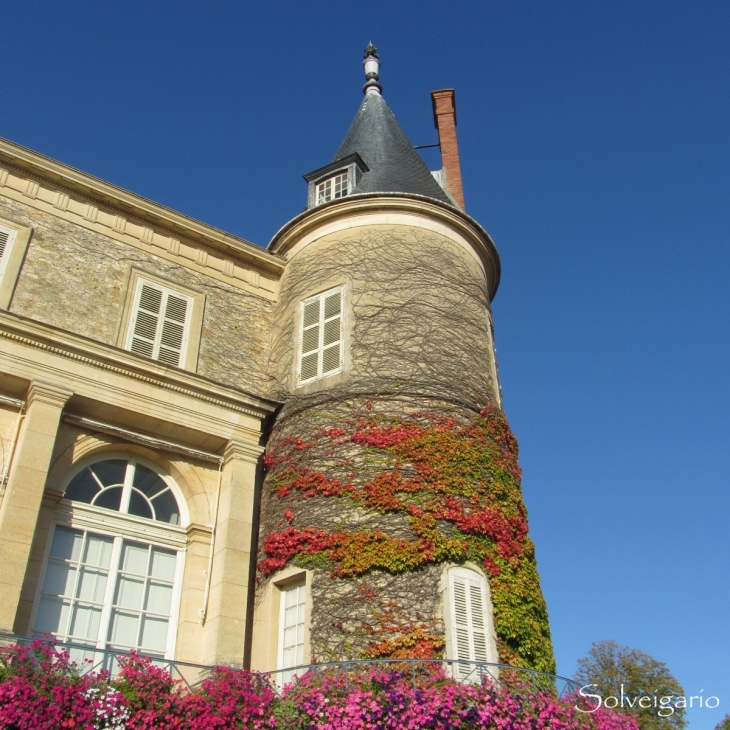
[336, 180]
[333, 187]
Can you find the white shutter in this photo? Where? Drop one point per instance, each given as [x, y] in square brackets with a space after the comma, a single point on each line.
[7, 236]
[468, 617]
[321, 336]
[160, 323]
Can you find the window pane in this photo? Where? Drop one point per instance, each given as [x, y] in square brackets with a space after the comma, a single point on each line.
[92, 584]
[166, 509]
[82, 487]
[159, 598]
[60, 578]
[139, 506]
[163, 564]
[110, 472]
[154, 633]
[109, 498]
[98, 551]
[124, 629]
[134, 558]
[147, 481]
[85, 622]
[292, 627]
[129, 592]
[52, 616]
[66, 543]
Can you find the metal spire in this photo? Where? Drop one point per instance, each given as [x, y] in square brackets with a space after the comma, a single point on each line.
[372, 67]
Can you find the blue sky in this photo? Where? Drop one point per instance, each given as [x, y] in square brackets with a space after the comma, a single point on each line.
[594, 144]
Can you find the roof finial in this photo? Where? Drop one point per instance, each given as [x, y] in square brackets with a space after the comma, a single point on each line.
[372, 66]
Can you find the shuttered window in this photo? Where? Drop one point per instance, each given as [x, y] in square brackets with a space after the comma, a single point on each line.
[469, 620]
[160, 323]
[7, 236]
[321, 336]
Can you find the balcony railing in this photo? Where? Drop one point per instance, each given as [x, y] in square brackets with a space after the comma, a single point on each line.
[516, 679]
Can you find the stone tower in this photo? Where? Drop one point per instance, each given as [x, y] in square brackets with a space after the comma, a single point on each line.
[392, 521]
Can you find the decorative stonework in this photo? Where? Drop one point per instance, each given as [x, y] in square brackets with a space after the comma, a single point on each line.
[48, 394]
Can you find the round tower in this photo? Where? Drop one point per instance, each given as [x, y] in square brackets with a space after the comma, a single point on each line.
[392, 521]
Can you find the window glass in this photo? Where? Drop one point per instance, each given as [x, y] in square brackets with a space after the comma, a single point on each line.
[83, 581]
[138, 505]
[109, 498]
[74, 586]
[332, 188]
[291, 629]
[128, 486]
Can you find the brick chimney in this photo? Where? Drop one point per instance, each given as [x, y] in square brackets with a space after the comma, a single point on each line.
[444, 117]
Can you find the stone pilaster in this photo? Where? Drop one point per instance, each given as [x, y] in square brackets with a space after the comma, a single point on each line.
[22, 500]
[227, 605]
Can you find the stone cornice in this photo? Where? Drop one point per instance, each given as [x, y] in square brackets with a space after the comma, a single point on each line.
[113, 359]
[70, 192]
[350, 207]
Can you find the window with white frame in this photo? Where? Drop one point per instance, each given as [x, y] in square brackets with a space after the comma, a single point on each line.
[116, 586]
[160, 323]
[7, 238]
[321, 350]
[469, 619]
[292, 619]
[332, 188]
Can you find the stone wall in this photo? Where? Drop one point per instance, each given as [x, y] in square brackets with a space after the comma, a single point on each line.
[76, 279]
[416, 319]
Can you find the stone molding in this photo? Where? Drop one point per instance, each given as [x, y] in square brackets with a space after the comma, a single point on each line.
[40, 391]
[35, 180]
[376, 208]
[106, 357]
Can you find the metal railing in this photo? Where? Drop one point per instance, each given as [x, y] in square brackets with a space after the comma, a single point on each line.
[500, 676]
[89, 659]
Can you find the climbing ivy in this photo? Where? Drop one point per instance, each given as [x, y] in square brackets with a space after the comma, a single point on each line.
[455, 483]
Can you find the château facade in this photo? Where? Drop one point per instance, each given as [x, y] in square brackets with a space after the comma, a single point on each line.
[221, 454]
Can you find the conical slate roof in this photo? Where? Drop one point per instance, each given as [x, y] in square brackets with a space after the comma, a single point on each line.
[395, 166]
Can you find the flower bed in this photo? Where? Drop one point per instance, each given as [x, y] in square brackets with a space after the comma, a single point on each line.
[41, 689]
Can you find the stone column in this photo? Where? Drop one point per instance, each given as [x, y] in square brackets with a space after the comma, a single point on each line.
[22, 500]
[227, 605]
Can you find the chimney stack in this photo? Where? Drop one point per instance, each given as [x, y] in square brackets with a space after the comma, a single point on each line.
[444, 117]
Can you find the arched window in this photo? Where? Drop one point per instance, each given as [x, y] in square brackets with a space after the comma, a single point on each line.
[109, 580]
[125, 486]
[468, 619]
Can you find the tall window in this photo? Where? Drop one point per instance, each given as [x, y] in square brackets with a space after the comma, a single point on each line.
[321, 349]
[332, 188]
[292, 619]
[113, 587]
[160, 323]
[7, 237]
[469, 619]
